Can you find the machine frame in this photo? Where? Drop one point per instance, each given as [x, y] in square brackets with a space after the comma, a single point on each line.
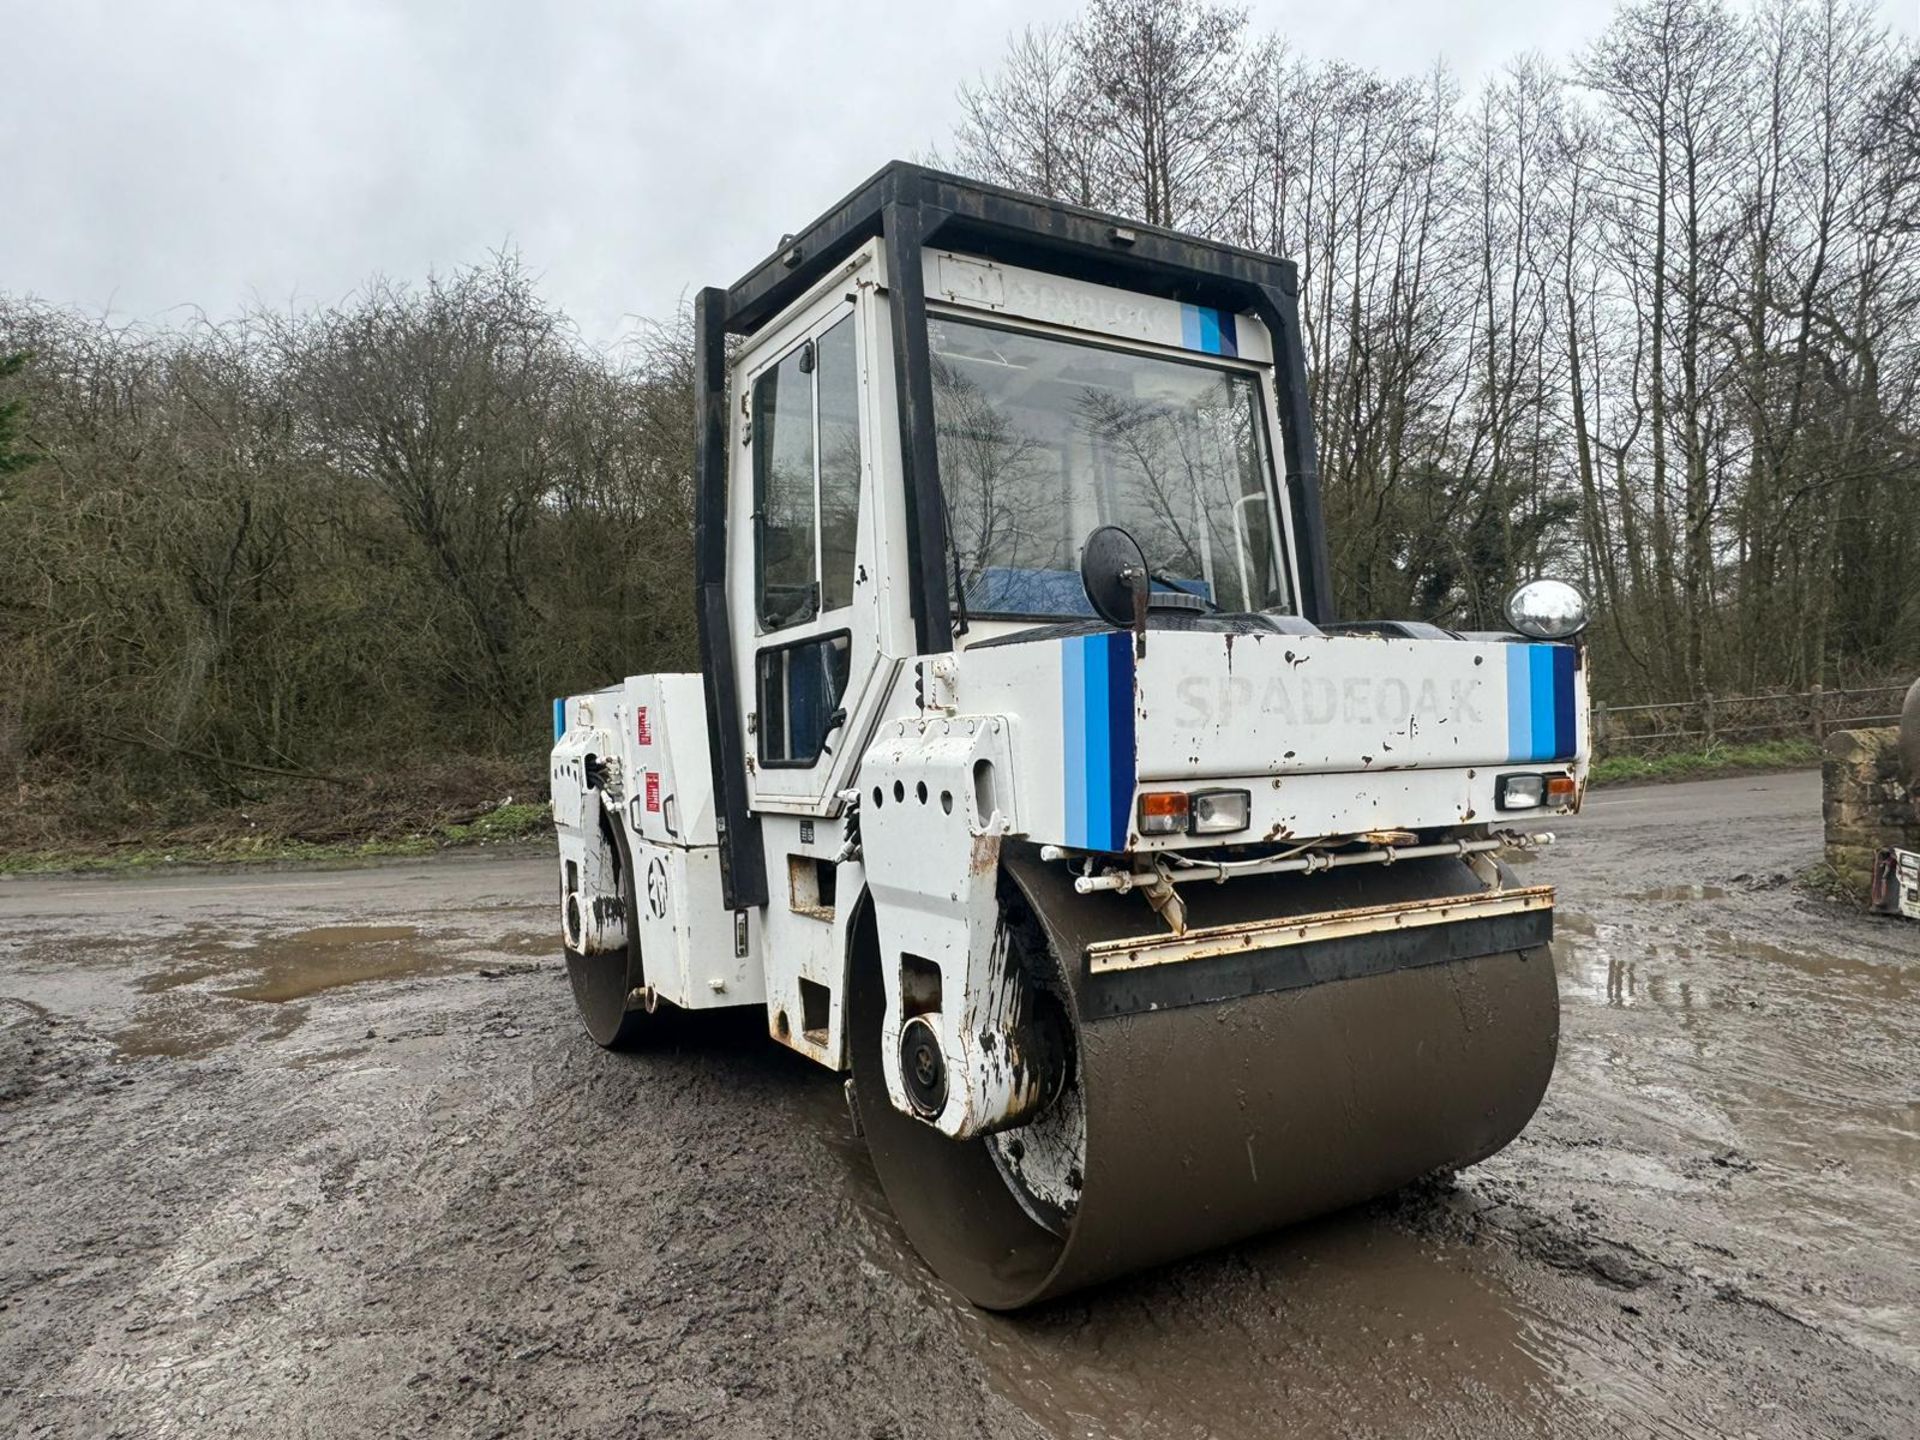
[1064, 879]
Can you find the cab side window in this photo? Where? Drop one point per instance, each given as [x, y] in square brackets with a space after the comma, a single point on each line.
[838, 385]
[783, 484]
[806, 479]
[800, 688]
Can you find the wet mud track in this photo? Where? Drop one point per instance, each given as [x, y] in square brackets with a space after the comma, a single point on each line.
[325, 1153]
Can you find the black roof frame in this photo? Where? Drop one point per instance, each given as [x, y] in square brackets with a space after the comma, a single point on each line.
[908, 207]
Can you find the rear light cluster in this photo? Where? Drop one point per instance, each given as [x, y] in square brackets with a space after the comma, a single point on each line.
[1194, 812]
[1531, 791]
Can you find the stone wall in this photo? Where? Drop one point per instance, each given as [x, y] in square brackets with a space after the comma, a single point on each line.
[1869, 804]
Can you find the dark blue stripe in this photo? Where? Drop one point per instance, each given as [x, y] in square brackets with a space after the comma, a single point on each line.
[1120, 739]
[1099, 735]
[1564, 723]
[1229, 334]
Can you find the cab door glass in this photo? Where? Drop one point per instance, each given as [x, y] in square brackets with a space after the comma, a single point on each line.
[783, 492]
[838, 384]
[806, 508]
[800, 687]
[806, 479]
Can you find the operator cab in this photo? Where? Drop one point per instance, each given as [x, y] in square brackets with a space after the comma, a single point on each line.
[942, 390]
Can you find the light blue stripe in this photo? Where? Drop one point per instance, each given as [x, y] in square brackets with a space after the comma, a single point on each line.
[1519, 703]
[1073, 736]
[1190, 330]
[1545, 736]
[1099, 740]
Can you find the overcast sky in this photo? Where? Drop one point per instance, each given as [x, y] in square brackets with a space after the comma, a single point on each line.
[161, 153]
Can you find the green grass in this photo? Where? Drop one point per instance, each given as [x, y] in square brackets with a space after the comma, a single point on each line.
[504, 823]
[1703, 764]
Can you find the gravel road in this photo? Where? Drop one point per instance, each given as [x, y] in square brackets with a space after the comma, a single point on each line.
[324, 1153]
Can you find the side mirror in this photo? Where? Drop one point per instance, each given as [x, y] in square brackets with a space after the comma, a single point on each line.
[1113, 570]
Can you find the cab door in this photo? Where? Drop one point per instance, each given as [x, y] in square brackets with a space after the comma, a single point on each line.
[804, 594]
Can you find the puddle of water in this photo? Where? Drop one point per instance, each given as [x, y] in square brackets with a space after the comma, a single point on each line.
[187, 1018]
[305, 963]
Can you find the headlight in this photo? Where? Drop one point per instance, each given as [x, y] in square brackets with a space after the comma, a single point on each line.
[1547, 610]
[1530, 792]
[1520, 792]
[1219, 812]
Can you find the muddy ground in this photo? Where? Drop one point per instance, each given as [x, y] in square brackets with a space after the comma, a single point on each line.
[324, 1153]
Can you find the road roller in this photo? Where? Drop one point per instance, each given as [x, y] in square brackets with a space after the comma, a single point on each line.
[1031, 781]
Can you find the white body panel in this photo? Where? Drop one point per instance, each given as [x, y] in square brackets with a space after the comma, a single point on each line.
[1331, 735]
[934, 807]
[670, 799]
[686, 932]
[646, 742]
[806, 938]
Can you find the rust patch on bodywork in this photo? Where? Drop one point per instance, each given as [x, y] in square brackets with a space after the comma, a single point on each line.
[984, 857]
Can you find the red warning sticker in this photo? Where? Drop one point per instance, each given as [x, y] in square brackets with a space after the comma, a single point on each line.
[643, 725]
[653, 790]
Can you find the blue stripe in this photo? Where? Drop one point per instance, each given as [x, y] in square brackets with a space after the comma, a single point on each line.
[1073, 737]
[1099, 781]
[559, 720]
[1120, 739]
[1229, 333]
[1519, 703]
[1564, 722]
[1209, 330]
[1540, 667]
[1190, 327]
[1097, 739]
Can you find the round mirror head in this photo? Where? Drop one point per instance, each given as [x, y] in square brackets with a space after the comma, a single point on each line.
[1547, 610]
[1113, 570]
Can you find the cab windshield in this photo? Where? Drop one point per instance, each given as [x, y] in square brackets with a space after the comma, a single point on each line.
[1041, 440]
